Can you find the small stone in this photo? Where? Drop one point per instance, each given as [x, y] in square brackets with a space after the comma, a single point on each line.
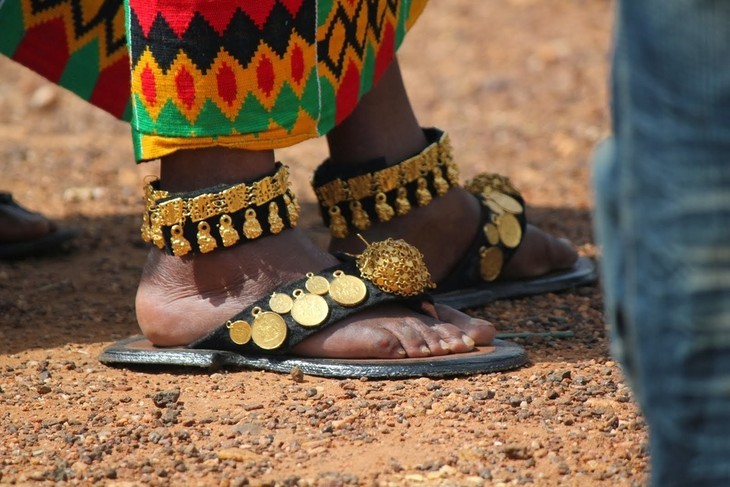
[169, 416]
[165, 398]
[44, 389]
[238, 455]
[517, 452]
[296, 374]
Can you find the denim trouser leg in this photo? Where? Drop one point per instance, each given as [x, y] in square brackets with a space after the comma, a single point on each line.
[663, 218]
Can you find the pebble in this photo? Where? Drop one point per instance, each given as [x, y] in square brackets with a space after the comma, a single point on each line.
[165, 398]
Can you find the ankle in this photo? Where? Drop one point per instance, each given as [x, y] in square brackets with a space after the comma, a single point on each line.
[189, 170]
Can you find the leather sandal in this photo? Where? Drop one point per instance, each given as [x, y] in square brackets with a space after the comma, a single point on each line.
[56, 239]
[375, 192]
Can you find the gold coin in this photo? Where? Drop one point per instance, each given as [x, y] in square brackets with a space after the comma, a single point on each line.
[317, 285]
[510, 231]
[491, 263]
[348, 290]
[492, 205]
[492, 233]
[269, 330]
[281, 303]
[310, 310]
[506, 201]
[240, 332]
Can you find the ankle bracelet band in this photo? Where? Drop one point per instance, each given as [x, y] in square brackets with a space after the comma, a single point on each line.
[221, 216]
[377, 191]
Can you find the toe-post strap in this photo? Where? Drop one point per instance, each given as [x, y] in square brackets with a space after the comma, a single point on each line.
[386, 272]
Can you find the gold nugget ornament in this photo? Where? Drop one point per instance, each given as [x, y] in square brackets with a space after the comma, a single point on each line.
[396, 267]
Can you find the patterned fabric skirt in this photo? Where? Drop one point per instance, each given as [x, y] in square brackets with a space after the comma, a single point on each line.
[251, 74]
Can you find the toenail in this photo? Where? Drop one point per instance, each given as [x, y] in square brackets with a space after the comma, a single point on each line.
[402, 352]
[444, 345]
[468, 341]
[425, 350]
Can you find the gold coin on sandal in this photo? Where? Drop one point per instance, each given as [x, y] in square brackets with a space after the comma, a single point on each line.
[491, 263]
[494, 206]
[347, 290]
[280, 303]
[268, 330]
[492, 233]
[510, 231]
[506, 201]
[239, 331]
[317, 284]
[309, 310]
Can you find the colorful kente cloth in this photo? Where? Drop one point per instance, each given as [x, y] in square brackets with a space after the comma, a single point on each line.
[253, 74]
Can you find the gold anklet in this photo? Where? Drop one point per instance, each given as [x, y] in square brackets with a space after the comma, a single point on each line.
[352, 203]
[204, 220]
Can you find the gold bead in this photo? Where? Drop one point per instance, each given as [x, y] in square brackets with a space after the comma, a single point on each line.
[442, 187]
[156, 231]
[360, 217]
[382, 208]
[206, 242]
[251, 227]
[402, 205]
[228, 234]
[292, 208]
[145, 229]
[276, 224]
[338, 225]
[180, 246]
[423, 195]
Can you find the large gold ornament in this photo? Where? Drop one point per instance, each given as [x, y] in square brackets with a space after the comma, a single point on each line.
[395, 267]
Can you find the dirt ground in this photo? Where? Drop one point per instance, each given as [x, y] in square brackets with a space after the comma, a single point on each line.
[521, 87]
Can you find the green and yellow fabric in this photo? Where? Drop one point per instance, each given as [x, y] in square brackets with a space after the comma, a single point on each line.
[253, 74]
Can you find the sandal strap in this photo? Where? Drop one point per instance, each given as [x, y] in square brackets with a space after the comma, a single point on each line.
[351, 198]
[276, 323]
[221, 216]
[502, 228]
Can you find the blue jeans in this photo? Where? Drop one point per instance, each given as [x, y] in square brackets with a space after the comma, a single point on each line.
[663, 217]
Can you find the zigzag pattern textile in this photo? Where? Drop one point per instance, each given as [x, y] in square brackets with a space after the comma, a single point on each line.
[254, 74]
[78, 44]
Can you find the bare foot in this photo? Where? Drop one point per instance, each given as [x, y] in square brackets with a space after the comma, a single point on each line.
[444, 230]
[181, 299]
[18, 224]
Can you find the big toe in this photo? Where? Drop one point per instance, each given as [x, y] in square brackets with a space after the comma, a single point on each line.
[540, 253]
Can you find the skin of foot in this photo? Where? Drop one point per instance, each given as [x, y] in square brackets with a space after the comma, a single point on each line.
[182, 299]
[18, 224]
